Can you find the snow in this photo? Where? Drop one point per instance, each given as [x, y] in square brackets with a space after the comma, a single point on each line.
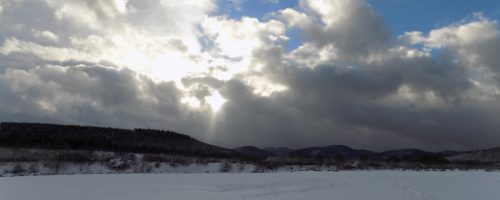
[356, 185]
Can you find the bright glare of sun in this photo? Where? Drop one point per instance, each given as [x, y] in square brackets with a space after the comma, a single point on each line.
[192, 102]
[216, 101]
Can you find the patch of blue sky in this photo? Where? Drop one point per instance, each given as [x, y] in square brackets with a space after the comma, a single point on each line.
[424, 15]
[295, 39]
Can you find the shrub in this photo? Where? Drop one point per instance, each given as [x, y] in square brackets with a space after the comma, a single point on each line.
[226, 167]
[18, 170]
[33, 169]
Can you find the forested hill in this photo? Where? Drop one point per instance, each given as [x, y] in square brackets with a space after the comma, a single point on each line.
[49, 146]
[51, 136]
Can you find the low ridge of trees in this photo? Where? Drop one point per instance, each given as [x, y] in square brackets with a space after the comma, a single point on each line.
[49, 136]
[120, 149]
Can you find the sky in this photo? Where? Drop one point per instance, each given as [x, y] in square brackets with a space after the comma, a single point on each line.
[372, 74]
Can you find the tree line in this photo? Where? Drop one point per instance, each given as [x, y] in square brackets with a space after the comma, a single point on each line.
[50, 136]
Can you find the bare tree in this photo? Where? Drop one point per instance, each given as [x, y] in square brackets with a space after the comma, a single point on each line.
[225, 167]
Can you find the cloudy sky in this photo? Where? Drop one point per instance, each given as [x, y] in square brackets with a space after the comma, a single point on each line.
[375, 74]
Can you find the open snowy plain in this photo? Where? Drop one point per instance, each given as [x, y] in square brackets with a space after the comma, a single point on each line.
[360, 185]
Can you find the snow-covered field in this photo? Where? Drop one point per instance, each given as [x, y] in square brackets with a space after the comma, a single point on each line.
[359, 185]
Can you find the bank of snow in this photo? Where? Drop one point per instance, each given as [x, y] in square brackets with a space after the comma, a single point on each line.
[387, 185]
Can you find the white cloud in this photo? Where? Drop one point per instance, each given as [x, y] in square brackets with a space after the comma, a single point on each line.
[238, 38]
[464, 33]
[91, 13]
[48, 53]
[45, 35]
[413, 37]
[309, 55]
[471, 43]
[332, 12]
[475, 31]
[154, 37]
[296, 18]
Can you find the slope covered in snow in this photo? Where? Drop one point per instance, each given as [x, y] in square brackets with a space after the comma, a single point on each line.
[387, 185]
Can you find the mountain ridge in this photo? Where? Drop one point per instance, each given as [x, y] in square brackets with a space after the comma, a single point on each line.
[53, 136]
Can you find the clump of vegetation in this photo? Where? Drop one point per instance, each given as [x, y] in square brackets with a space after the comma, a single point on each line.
[226, 167]
[18, 170]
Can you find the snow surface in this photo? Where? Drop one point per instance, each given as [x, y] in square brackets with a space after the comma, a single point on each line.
[359, 185]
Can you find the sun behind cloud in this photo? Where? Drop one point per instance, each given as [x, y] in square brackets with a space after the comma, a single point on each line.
[215, 101]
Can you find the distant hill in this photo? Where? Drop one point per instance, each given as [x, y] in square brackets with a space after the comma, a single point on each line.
[413, 155]
[253, 152]
[51, 136]
[485, 156]
[16, 136]
[331, 152]
[345, 152]
[279, 151]
[403, 153]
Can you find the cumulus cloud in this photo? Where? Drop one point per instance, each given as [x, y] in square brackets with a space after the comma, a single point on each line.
[90, 13]
[397, 93]
[352, 25]
[232, 82]
[45, 35]
[94, 95]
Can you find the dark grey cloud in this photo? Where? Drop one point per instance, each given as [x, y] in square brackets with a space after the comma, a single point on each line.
[92, 96]
[329, 104]
[352, 26]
